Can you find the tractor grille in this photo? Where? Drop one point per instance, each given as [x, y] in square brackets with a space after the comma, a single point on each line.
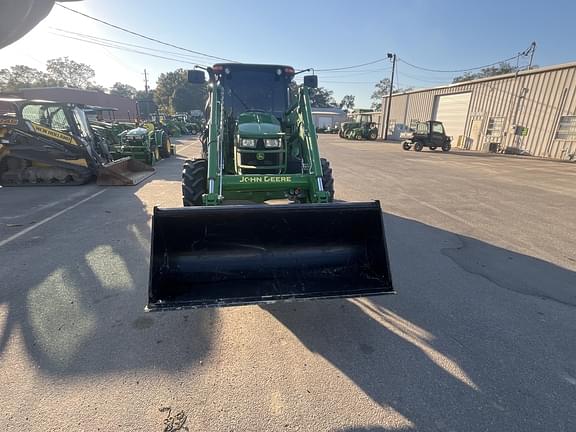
[260, 161]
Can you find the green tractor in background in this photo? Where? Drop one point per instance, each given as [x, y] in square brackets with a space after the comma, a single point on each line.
[362, 127]
[145, 143]
[229, 245]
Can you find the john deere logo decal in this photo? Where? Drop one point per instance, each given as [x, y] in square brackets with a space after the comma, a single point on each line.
[260, 156]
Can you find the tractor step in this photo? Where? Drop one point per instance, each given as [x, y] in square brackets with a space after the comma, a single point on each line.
[123, 172]
[253, 254]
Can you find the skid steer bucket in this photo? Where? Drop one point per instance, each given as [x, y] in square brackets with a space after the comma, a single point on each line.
[123, 172]
[234, 255]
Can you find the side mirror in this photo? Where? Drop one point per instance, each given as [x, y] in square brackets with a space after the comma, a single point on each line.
[311, 81]
[196, 77]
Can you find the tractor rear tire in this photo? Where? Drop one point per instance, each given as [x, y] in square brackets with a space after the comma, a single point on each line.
[446, 147]
[327, 178]
[406, 146]
[373, 135]
[194, 186]
[165, 147]
[418, 146]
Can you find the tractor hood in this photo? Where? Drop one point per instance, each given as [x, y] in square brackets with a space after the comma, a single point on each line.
[259, 125]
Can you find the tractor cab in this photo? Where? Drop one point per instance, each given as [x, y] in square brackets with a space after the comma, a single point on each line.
[361, 127]
[255, 103]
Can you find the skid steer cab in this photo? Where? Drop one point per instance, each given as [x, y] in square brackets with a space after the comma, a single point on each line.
[429, 134]
[233, 243]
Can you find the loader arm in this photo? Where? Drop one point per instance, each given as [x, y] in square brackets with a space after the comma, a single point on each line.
[307, 133]
[214, 145]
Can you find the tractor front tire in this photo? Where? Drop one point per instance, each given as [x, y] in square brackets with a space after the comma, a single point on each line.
[446, 147]
[373, 135]
[194, 186]
[327, 178]
[406, 146]
[418, 146]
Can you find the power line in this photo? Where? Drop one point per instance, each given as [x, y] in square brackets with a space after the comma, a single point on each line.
[357, 72]
[144, 36]
[104, 40]
[440, 81]
[351, 67]
[124, 48]
[348, 82]
[457, 70]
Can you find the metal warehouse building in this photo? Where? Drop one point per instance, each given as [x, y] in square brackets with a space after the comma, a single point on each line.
[533, 111]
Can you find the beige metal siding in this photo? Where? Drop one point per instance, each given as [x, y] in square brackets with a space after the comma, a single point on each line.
[549, 94]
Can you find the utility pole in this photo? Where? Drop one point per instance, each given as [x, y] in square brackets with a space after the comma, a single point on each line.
[532, 50]
[145, 82]
[393, 57]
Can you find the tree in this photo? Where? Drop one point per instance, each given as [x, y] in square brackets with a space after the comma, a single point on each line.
[68, 73]
[189, 97]
[502, 68]
[21, 76]
[97, 87]
[322, 98]
[166, 85]
[123, 90]
[383, 89]
[347, 102]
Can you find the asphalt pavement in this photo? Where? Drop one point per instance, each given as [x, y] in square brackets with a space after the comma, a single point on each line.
[481, 336]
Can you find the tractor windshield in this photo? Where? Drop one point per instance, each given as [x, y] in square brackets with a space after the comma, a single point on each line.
[255, 89]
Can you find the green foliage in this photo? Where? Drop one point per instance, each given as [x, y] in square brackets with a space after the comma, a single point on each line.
[20, 76]
[97, 87]
[166, 85]
[347, 102]
[189, 97]
[502, 68]
[68, 73]
[125, 90]
[382, 88]
[322, 98]
[174, 94]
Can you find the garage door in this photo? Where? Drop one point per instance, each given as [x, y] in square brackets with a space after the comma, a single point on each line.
[452, 110]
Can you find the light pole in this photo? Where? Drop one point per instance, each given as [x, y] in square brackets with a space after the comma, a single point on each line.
[393, 57]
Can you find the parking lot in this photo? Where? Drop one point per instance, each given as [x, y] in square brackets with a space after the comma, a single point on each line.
[479, 338]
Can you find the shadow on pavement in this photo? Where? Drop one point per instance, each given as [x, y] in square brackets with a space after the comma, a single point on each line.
[415, 352]
[74, 292]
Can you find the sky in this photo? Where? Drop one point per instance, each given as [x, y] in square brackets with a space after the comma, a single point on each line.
[320, 34]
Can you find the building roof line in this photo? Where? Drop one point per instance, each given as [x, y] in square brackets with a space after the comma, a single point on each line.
[493, 78]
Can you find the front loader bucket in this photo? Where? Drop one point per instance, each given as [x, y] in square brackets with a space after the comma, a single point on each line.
[234, 255]
[123, 172]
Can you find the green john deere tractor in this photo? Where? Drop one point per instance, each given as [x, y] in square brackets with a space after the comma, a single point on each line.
[229, 244]
[362, 127]
[145, 143]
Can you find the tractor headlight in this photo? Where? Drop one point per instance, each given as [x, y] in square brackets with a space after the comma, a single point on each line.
[250, 143]
[272, 143]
